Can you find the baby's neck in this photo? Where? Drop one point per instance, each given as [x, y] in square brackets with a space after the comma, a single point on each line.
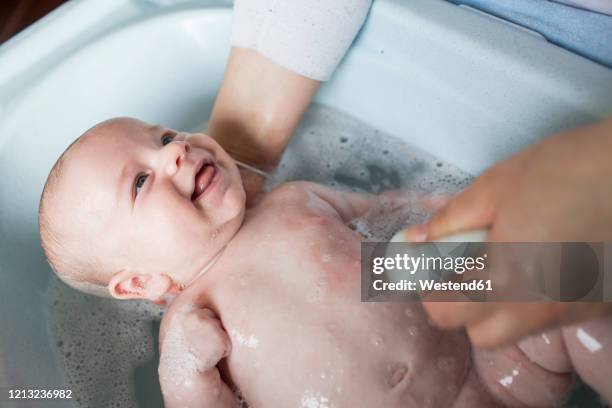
[207, 267]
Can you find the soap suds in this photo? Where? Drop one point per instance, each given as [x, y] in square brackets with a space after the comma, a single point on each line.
[332, 148]
[105, 346]
[312, 399]
[249, 341]
[179, 361]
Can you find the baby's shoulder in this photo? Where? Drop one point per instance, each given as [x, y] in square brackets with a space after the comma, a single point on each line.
[294, 199]
[294, 192]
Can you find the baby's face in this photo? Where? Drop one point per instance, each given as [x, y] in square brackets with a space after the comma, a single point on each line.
[156, 201]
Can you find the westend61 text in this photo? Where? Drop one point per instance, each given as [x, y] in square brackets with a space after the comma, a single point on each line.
[430, 284]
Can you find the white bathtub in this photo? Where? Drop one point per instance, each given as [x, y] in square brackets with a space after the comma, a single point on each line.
[452, 81]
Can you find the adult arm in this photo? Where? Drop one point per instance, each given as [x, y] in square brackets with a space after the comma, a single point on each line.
[282, 50]
[556, 190]
[258, 107]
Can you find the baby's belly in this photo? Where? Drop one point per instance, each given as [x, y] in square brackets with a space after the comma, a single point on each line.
[334, 353]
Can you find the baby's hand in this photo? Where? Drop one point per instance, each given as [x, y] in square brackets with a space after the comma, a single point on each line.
[207, 336]
[196, 339]
[192, 342]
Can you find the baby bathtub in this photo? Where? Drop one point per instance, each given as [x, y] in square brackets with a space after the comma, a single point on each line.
[450, 80]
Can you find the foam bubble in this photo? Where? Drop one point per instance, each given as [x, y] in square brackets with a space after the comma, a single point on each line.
[103, 345]
[313, 399]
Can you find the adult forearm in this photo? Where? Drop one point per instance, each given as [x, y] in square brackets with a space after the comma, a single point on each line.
[258, 107]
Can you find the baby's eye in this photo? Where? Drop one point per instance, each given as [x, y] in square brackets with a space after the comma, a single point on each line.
[140, 180]
[167, 138]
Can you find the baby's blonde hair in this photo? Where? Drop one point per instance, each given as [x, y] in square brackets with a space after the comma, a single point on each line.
[76, 270]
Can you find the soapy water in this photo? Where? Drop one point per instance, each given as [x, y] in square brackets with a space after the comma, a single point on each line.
[335, 149]
[108, 348]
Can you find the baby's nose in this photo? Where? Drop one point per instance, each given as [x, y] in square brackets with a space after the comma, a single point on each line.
[175, 153]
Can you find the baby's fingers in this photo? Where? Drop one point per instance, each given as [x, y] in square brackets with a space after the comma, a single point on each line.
[207, 336]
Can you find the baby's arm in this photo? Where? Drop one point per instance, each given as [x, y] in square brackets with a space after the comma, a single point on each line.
[192, 342]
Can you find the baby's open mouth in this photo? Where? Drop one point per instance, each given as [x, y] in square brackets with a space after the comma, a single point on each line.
[203, 179]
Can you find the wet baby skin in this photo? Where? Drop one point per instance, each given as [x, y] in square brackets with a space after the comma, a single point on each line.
[269, 300]
[279, 318]
[282, 305]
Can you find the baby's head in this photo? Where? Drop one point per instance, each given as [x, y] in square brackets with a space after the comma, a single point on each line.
[138, 211]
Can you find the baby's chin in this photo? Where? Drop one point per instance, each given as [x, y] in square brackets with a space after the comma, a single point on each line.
[229, 213]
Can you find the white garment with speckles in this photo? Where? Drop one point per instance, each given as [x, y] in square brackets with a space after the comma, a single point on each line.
[309, 37]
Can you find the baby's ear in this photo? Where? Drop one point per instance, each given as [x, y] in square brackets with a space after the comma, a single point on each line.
[130, 285]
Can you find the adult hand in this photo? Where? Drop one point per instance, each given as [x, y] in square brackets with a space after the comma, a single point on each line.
[556, 190]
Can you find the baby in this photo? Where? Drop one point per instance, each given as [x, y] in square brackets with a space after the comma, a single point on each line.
[269, 296]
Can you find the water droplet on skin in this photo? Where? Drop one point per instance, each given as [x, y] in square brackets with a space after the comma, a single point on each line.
[377, 341]
[413, 331]
[506, 381]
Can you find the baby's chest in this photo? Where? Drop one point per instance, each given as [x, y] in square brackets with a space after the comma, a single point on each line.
[307, 223]
[319, 245]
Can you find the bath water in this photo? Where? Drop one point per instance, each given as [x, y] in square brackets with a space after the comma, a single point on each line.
[109, 348]
[335, 149]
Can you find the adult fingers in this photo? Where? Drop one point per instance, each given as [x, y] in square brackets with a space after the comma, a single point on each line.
[512, 322]
[471, 209]
[452, 315]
